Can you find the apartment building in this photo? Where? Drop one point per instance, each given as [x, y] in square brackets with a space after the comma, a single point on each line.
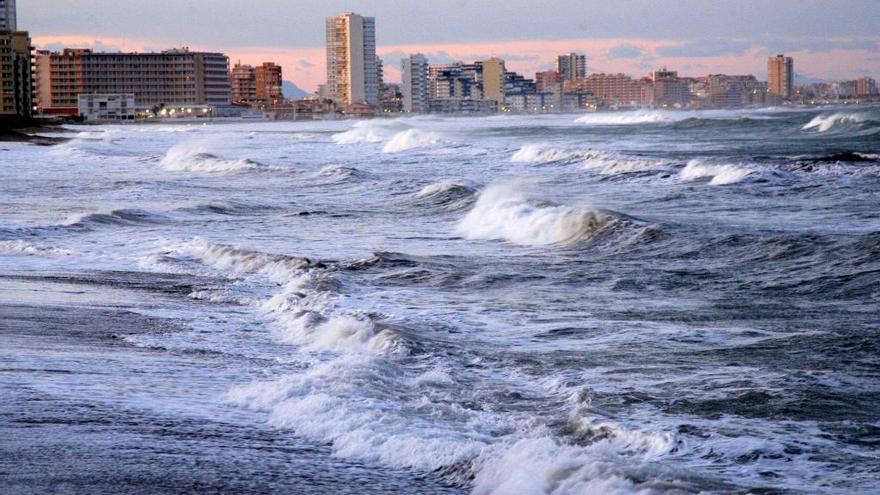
[780, 76]
[414, 70]
[268, 80]
[352, 66]
[15, 74]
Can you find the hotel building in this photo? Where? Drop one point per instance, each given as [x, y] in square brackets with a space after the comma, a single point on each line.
[352, 67]
[172, 78]
[780, 76]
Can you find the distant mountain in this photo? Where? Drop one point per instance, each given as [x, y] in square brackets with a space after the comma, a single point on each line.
[292, 91]
[802, 79]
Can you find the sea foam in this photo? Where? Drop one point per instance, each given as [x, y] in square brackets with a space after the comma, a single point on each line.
[193, 157]
[502, 213]
[720, 174]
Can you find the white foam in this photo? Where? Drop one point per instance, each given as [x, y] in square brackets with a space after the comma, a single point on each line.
[502, 213]
[597, 160]
[440, 187]
[720, 174]
[26, 248]
[370, 131]
[625, 118]
[411, 139]
[826, 122]
[195, 157]
[542, 153]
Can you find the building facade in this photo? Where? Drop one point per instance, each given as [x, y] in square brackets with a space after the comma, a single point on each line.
[669, 89]
[16, 80]
[414, 72]
[173, 78]
[96, 108]
[615, 89]
[8, 20]
[571, 67]
[352, 66]
[493, 72]
[865, 86]
[243, 80]
[780, 76]
[268, 80]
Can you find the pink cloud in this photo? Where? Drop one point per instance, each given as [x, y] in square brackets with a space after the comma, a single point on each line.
[306, 66]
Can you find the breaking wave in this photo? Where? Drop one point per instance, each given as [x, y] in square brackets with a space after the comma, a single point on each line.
[188, 157]
[842, 121]
[720, 174]
[449, 195]
[622, 118]
[502, 213]
[538, 153]
[26, 248]
[397, 135]
[592, 159]
[410, 139]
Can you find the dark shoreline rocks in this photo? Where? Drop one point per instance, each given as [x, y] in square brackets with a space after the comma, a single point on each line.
[27, 131]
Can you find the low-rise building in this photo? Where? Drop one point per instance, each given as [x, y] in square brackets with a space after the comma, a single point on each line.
[462, 105]
[107, 107]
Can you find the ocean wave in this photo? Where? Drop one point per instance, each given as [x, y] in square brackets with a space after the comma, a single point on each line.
[410, 139]
[542, 153]
[398, 136]
[635, 117]
[188, 157]
[28, 249]
[623, 118]
[448, 195]
[596, 160]
[338, 172]
[502, 213]
[371, 131]
[231, 208]
[837, 120]
[720, 174]
[125, 216]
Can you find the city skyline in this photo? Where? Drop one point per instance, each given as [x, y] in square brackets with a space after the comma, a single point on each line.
[845, 49]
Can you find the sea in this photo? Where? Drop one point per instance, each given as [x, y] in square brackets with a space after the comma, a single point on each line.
[636, 302]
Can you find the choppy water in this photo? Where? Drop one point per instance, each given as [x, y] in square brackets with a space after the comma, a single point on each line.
[647, 302]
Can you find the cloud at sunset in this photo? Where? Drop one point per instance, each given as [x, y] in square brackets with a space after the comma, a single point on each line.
[838, 58]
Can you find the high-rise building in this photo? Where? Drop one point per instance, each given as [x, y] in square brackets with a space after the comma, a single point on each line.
[172, 78]
[572, 66]
[15, 74]
[268, 81]
[414, 71]
[780, 76]
[352, 70]
[865, 86]
[244, 83]
[493, 79]
[7, 16]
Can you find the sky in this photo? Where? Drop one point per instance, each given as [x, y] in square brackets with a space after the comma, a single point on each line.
[829, 40]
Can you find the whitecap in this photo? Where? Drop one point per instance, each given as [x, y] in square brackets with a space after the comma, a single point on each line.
[720, 174]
